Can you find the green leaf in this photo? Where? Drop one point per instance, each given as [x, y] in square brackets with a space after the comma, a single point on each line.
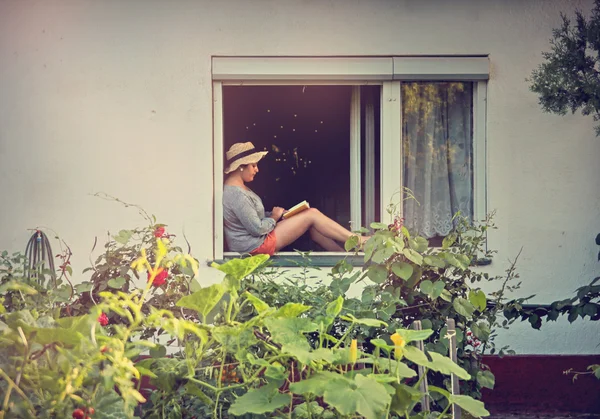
[405, 232]
[303, 354]
[258, 304]
[334, 307]
[370, 248]
[415, 355]
[123, 236]
[203, 301]
[302, 410]
[236, 339]
[378, 226]
[275, 370]
[463, 307]
[116, 283]
[426, 287]
[365, 396]
[410, 335]
[438, 289]
[486, 379]
[265, 399]
[290, 330]
[573, 313]
[478, 299]
[14, 285]
[83, 287]
[238, 269]
[446, 296]
[413, 256]
[395, 368]
[404, 398]
[194, 390]
[418, 244]
[351, 243]
[435, 261]
[446, 366]
[377, 273]
[317, 384]
[449, 240]
[481, 330]
[367, 321]
[291, 310]
[46, 335]
[415, 277]
[145, 372]
[399, 244]
[474, 407]
[381, 255]
[109, 405]
[590, 309]
[402, 270]
[159, 351]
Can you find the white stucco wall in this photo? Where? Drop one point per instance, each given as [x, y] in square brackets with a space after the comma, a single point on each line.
[115, 97]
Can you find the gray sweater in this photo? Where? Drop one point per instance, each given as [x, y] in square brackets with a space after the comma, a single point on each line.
[244, 219]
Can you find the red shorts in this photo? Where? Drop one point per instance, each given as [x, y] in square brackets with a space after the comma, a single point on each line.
[267, 247]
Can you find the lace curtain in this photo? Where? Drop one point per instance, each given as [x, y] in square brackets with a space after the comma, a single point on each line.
[437, 145]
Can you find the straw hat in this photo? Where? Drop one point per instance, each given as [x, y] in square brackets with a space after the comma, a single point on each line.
[240, 154]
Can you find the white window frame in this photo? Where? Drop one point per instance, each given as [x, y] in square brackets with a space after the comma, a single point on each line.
[389, 72]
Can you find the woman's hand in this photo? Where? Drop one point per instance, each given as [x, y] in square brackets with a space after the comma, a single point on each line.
[277, 213]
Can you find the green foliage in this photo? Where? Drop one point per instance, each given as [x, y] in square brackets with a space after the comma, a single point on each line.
[568, 79]
[403, 280]
[254, 344]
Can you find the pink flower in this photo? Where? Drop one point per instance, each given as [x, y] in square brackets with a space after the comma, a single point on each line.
[103, 319]
[159, 232]
[160, 278]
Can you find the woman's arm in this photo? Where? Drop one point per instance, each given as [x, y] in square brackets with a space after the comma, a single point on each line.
[246, 213]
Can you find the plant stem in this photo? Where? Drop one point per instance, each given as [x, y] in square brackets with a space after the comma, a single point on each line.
[337, 345]
[11, 385]
[445, 410]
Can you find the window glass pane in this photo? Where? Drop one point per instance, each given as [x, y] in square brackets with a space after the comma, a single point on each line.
[370, 115]
[306, 130]
[437, 132]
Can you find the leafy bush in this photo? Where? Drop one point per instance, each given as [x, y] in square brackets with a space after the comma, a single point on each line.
[404, 279]
[238, 354]
[568, 79]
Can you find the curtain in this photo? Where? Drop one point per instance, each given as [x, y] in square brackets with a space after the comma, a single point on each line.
[437, 148]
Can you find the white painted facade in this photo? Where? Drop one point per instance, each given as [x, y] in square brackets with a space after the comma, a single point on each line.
[116, 97]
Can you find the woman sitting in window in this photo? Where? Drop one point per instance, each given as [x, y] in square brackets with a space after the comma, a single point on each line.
[249, 229]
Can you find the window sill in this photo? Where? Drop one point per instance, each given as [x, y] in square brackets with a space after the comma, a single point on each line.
[319, 260]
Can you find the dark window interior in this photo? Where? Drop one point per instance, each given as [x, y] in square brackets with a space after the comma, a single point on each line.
[306, 130]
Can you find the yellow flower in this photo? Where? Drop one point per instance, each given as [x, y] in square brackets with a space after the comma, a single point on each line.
[399, 343]
[140, 263]
[353, 351]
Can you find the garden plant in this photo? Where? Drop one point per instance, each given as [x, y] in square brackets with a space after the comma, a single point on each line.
[261, 343]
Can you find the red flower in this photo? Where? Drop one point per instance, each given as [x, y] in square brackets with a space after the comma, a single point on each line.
[103, 319]
[159, 232]
[160, 278]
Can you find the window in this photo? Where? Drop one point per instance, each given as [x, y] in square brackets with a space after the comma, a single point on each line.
[307, 131]
[347, 134]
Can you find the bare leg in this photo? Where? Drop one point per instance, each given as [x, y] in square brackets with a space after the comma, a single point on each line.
[325, 242]
[288, 231]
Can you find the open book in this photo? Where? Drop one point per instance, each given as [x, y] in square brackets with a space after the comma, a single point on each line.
[296, 209]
